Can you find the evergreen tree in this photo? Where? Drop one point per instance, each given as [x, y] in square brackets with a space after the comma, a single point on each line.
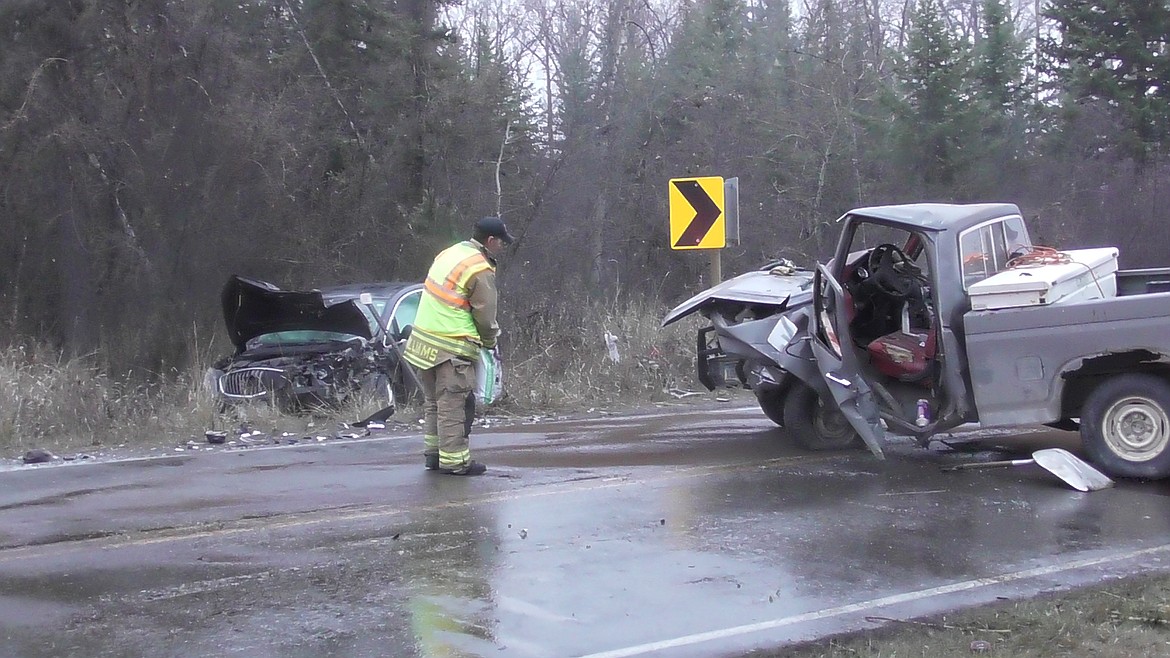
[699, 83]
[998, 61]
[931, 114]
[998, 95]
[1116, 54]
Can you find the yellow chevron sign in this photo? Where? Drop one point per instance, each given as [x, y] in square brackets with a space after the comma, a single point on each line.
[697, 219]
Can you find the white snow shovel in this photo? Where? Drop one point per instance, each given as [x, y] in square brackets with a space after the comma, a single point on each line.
[1058, 461]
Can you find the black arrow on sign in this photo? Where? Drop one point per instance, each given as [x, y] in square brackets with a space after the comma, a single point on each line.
[706, 212]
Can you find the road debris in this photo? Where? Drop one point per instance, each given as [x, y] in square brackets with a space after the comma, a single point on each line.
[39, 456]
[611, 348]
[1063, 464]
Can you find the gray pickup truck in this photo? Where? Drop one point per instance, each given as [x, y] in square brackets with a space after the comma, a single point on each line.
[930, 316]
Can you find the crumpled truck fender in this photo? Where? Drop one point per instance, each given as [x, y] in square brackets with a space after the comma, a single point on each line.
[796, 356]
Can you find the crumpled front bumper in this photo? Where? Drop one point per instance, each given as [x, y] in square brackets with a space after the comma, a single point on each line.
[714, 368]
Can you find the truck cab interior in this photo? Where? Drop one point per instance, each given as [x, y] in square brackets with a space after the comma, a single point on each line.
[892, 315]
[894, 321]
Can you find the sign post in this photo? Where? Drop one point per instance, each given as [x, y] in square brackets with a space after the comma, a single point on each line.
[697, 217]
[731, 208]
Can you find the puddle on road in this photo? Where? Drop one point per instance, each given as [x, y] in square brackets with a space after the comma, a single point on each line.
[628, 447]
[70, 495]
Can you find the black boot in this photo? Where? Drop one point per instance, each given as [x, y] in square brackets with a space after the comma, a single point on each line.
[432, 461]
[470, 468]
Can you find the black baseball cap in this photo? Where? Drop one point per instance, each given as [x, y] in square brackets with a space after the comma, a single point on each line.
[493, 226]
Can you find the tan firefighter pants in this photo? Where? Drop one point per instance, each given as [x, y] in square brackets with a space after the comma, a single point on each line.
[449, 408]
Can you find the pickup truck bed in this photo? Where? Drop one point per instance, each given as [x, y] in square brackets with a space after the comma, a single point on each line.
[1036, 364]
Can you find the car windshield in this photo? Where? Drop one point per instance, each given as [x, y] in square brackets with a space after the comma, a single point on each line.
[379, 308]
[300, 337]
[870, 234]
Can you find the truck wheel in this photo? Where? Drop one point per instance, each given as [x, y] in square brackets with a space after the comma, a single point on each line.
[772, 403]
[1125, 426]
[814, 424]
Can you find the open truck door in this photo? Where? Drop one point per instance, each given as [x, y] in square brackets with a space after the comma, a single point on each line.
[832, 344]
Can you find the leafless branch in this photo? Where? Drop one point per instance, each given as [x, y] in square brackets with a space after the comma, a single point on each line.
[499, 163]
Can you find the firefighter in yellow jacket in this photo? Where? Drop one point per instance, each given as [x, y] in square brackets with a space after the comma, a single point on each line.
[456, 318]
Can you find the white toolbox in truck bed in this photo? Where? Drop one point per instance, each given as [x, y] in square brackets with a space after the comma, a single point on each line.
[1089, 274]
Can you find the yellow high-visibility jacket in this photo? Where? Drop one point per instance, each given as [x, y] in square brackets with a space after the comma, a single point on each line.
[457, 313]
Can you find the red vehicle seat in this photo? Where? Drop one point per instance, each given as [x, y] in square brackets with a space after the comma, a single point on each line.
[904, 356]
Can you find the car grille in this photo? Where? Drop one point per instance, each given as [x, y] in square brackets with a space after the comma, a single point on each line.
[248, 383]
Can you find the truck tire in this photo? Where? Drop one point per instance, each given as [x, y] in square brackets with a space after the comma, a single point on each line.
[772, 404]
[1125, 426]
[815, 425]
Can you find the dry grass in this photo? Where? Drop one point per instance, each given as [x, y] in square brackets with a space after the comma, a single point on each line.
[561, 358]
[1121, 619]
[555, 361]
[53, 403]
[72, 406]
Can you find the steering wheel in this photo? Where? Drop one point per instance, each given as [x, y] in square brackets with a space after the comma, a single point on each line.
[891, 271]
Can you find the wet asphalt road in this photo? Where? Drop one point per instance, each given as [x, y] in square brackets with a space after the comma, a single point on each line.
[694, 532]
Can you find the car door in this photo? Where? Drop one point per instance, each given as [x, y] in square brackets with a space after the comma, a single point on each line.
[405, 310]
[837, 359]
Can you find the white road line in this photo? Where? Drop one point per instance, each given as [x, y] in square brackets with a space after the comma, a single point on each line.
[906, 597]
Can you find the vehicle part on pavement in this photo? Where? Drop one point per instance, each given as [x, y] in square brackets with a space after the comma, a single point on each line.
[1063, 464]
[1125, 425]
[378, 416]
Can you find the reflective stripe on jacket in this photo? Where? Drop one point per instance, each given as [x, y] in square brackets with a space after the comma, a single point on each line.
[444, 324]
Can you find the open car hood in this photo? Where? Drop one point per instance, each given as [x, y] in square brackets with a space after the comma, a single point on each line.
[765, 287]
[253, 308]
